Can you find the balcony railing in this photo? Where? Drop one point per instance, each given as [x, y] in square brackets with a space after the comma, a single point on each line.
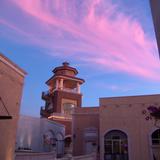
[70, 90]
[46, 94]
[43, 112]
[65, 89]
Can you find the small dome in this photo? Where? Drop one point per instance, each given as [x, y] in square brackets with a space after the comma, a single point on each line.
[65, 69]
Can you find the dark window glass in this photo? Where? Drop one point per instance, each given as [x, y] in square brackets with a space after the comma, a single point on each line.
[115, 145]
[156, 137]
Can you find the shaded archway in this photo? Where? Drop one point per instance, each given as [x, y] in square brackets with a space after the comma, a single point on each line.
[49, 141]
[68, 144]
[68, 141]
[115, 145]
[156, 144]
[60, 145]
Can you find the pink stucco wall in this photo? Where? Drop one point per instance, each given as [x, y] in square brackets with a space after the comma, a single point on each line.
[11, 85]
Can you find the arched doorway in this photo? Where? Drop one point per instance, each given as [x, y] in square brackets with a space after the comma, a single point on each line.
[60, 145]
[68, 144]
[115, 145]
[49, 141]
[68, 141]
[156, 144]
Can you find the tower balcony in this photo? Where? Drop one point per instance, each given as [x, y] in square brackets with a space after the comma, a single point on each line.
[46, 95]
[45, 112]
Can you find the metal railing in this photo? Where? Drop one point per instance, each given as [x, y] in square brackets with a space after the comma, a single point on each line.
[70, 90]
[47, 93]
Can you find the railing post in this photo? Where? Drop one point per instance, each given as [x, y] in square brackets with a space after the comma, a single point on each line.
[57, 84]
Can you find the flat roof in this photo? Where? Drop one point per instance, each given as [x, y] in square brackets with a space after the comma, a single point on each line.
[131, 96]
[137, 99]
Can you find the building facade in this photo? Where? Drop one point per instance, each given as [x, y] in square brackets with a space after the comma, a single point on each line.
[40, 135]
[11, 86]
[120, 128]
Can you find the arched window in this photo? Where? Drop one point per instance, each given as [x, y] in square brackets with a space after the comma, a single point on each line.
[156, 137]
[156, 144]
[115, 145]
[67, 142]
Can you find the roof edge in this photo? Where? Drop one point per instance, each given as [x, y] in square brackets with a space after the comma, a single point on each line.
[11, 64]
[130, 96]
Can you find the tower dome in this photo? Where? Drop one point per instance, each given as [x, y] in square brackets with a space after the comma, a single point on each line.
[65, 69]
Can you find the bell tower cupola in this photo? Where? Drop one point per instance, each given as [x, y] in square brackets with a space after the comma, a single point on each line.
[64, 92]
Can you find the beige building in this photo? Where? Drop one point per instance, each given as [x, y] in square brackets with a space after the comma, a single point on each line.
[120, 129]
[11, 85]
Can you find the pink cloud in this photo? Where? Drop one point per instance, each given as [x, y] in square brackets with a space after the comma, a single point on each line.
[110, 39]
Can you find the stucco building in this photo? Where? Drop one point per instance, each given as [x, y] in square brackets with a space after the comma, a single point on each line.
[11, 86]
[120, 128]
[39, 135]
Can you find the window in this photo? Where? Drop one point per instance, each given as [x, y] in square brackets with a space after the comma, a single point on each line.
[156, 144]
[156, 137]
[115, 145]
[67, 107]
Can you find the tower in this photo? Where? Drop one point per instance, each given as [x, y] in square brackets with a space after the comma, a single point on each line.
[63, 95]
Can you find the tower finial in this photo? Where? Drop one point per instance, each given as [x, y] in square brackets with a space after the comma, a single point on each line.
[65, 63]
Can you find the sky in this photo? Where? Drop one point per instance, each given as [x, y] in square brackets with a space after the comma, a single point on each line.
[110, 42]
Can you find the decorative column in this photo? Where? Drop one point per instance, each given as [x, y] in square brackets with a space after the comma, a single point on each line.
[78, 88]
[57, 84]
[61, 84]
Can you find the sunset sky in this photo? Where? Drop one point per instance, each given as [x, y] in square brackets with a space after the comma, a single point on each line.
[111, 42]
